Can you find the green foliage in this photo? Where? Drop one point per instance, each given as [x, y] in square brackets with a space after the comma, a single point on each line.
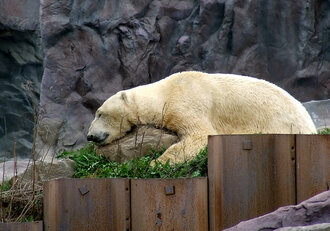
[5, 186]
[324, 131]
[27, 219]
[88, 165]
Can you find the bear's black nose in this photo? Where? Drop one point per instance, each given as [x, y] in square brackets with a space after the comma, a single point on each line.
[98, 138]
[90, 137]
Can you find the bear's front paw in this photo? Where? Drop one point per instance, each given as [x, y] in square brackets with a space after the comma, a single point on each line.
[153, 163]
[159, 161]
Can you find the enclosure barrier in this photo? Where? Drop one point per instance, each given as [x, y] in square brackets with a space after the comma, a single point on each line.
[87, 204]
[251, 175]
[26, 226]
[248, 176]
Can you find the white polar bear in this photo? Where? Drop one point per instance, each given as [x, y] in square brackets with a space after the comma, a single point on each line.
[195, 105]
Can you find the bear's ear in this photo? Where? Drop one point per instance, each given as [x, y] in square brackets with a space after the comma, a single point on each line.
[123, 96]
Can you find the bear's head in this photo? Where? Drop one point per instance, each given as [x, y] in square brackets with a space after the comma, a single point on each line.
[111, 120]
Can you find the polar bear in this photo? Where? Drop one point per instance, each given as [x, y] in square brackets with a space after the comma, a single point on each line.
[195, 105]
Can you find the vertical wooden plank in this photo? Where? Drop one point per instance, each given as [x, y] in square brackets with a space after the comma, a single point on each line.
[215, 181]
[249, 175]
[87, 204]
[25, 226]
[313, 165]
[120, 199]
[169, 204]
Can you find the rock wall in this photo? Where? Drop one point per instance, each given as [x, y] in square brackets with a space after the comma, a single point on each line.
[92, 49]
[315, 210]
[320, 112]
[20, 74]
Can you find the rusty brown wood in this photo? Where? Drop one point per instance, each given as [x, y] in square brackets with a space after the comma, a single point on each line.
[87, 204]
[25, 226]
[249, 175]
[169, 204]
[313, 165]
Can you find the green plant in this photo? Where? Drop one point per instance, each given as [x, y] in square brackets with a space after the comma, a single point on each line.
[324, 131]
[27, 219]
[89, 164]
[5, 186]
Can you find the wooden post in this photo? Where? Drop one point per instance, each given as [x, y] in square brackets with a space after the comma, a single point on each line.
[249, 175]
[169, 204]
[87, 204]
[19, 226]
[313, 165]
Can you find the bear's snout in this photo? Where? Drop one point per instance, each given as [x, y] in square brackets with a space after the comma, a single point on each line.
[90, 137]
[98, 138]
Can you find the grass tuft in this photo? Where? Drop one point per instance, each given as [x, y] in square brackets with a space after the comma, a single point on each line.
[324, 131]
[90, 165]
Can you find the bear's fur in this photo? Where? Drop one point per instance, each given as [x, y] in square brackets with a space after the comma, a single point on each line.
[195, 105]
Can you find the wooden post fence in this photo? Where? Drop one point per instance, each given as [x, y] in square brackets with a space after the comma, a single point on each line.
[87, 204]
[169, 204]
[123, 204]
[251, 175]
[26, 226]
[248, 176]
[313, 165]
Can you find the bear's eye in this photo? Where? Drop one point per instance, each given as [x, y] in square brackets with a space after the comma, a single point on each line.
[99, 116]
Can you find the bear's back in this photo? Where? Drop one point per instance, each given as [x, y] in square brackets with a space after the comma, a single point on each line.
[242, 101]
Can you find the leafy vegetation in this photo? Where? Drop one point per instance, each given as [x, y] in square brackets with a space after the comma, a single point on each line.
[324, 131]
[5, 186]
[89, 165]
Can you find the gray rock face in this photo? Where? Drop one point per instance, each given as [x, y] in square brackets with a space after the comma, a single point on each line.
[315, 210]
[45, 169]
[12, 169]
[320, 112]
[138, 143]
[20, 74]
[96, 48]
[92, 49]
[317, 227]
[48, 169]
[19, 15]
